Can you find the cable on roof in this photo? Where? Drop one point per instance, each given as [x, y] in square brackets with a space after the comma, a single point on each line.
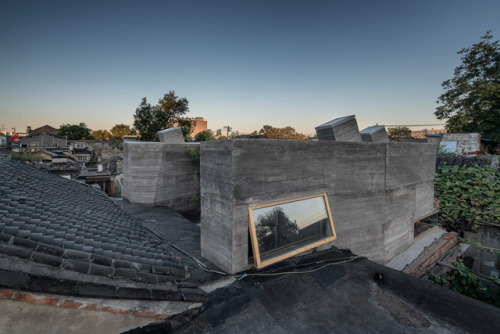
[205, 268]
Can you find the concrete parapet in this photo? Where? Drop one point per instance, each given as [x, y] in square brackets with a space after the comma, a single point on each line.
[171, 135]
[340, 129]
[374, 134]
[161, 174]
[375, 191]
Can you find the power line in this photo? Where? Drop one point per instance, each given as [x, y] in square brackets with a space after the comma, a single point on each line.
[410, 125]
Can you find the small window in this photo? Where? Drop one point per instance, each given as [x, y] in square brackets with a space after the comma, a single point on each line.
[283, 229]
[425, 225]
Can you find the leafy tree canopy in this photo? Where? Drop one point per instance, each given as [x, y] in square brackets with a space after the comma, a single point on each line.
[204, 136]
[75, 131]
[471, 101]
[399, 132]
[121, 130]
[280, 133]
[148, 120]
[187, 126]
[101, 134]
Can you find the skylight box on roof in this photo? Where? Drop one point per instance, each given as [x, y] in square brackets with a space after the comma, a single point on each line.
[283, 229]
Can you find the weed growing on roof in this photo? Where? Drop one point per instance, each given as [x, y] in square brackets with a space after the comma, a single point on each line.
[27, 156]
[468, 194]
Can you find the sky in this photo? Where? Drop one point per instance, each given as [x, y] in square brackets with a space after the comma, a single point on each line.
[242, 64]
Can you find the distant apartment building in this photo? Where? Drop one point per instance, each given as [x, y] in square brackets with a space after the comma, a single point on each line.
[200, 125]
[423, 132]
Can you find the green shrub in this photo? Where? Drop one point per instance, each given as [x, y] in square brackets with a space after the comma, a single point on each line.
[471, 194]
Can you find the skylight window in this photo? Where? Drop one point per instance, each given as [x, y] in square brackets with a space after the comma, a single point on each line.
[279, 230]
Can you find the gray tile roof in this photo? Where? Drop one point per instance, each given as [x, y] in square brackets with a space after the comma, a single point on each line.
[52, 228]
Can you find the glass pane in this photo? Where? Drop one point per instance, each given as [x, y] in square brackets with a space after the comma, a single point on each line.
[284, 227]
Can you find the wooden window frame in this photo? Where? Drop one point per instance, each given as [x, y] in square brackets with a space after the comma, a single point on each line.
[421, 235]
[253, 235]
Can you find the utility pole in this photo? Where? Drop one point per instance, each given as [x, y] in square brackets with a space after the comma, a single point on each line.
[228, 128]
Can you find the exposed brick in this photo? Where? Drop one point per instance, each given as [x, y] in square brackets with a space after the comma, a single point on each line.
[151, 314]
[90, 307]
[6, 294]
[115, 309]
[25, 297]
[46, 300]
[69, 303]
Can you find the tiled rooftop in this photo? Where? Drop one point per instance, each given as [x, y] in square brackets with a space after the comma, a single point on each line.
[62, 236]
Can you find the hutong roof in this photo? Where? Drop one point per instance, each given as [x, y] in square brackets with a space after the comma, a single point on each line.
[335, 292]
[61, 236]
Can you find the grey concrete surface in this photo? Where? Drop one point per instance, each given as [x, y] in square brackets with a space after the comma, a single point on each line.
[171, 135]
[374, 134]
[25, 318]
[375, 191]
[339, 129]
[161, 174]
[412, 252]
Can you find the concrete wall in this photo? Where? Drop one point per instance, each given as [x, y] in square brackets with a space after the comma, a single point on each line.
[467, 143]
[171, 135]
[375, 191]
[485, 262]
[340, 129]
[161, 174]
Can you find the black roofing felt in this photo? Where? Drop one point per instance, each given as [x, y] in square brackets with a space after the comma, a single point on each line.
[56, 230]
[362, 297]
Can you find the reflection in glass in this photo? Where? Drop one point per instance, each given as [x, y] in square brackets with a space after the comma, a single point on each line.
[287, 226]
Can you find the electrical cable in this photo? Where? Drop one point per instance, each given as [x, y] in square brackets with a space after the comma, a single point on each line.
[205, 268]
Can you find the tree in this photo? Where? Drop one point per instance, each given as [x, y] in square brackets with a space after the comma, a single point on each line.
[101, 134]
[187, 126]
[75, 132]
[281, 133]
[121, 130]
[471, 101]
[399, 132]
[275, 229]
[204, 136]
[148, 120]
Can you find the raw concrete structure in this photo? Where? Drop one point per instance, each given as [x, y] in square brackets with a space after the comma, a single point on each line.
[161, 174]
[467, 143]
[375, 191]
[171, 135]
[340, 129]
[376, 134]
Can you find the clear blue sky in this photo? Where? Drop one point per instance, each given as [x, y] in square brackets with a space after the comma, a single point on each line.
[239, 63]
